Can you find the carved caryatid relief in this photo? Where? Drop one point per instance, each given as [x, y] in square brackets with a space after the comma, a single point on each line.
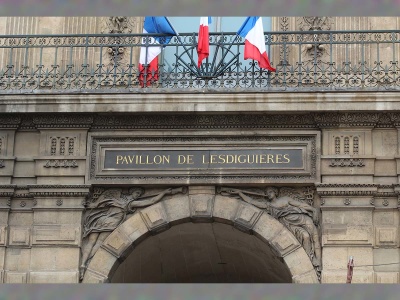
[107, 210]
[294, 209]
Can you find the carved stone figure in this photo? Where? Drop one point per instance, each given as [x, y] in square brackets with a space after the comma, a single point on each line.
[119, 23]
[108, 212]
[300, 218]
[315, 23]
[315, 52]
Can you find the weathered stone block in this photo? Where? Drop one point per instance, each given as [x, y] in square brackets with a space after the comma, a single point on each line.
[155, 217]
[333, 276]
[386, 277]
[19, 236]
[177, 208]
[16, 277]
[341, 276]
[385, 260]
[298, 262]
[285, 242]
[386, 237]
[309, 277]
[336, 258]
[54, 259]
[103, 263]
[17, 259]
[53, 277]
[225, 208]
[135, 228]
[341, 234]
[246, 216]
[117, 242]
[201, 207]
[3, 235]
[267, 227]
[56, 235]
[43, 217]
[93, 277]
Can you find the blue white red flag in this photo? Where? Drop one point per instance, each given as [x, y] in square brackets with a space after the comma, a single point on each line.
[203, 45]
[148, 61]
[254, 47]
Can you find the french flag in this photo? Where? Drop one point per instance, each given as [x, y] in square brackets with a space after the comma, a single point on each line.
[254, 48]
[148, 60]
[203, 46]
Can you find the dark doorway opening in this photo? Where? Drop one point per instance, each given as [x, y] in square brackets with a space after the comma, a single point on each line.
[202, 253]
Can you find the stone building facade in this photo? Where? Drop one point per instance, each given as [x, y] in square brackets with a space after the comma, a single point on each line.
[113, 172]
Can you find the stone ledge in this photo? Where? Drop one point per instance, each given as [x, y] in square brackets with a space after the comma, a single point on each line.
[197, 101]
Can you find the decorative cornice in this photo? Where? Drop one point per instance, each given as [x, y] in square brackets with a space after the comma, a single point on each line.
[60, 163]
[62, 120]
[192, 120]
[347, 189]
[59, 190]
[347, 162]
[204, 121]
[368, 119]
[374, 190]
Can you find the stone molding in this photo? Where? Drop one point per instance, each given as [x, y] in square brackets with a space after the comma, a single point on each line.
[312, 120]
[362, 196]
[125, 238]
[31, 191]
[97, 173]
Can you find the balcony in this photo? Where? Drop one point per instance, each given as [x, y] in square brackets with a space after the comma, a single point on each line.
[306, 61]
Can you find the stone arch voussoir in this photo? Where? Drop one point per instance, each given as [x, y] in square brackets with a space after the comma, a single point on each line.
[201, 207]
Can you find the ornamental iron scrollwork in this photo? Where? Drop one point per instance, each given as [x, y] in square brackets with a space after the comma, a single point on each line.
[305, 67]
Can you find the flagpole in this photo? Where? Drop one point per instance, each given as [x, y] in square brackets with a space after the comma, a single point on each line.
[184, 47]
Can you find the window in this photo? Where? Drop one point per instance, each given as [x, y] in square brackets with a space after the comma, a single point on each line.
[219, 24]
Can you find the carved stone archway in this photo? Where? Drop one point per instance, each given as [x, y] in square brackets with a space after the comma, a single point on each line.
[199, 207]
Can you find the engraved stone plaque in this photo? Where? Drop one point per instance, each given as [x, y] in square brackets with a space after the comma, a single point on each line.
[169, 158]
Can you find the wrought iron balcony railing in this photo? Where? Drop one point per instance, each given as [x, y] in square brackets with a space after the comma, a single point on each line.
[304, 61]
